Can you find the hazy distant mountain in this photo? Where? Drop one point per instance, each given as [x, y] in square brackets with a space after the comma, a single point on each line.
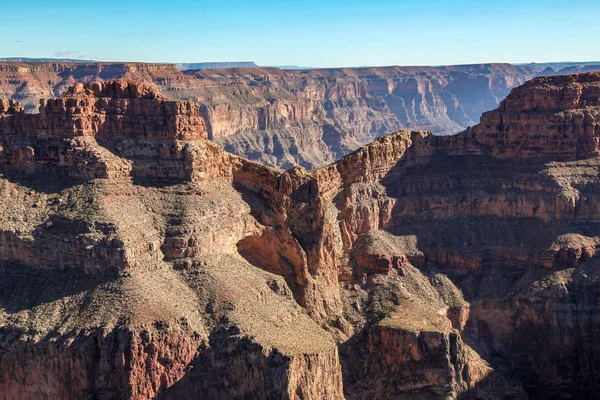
[548, 68]
[579, 69]
[46, 60]
[216, 65]
[180, 66]
[560, 65]
[574, 69]
[292, 67]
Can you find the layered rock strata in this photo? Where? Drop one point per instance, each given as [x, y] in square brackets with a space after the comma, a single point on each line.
[495, 230]
[302, 117]
[419, 266]
[121, 277]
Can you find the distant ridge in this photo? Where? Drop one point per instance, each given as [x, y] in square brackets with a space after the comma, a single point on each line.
[216, 65]
[293, 67]
[180, 66]
[559, 65]
[574, 69]
[545, 68]
[44, 60]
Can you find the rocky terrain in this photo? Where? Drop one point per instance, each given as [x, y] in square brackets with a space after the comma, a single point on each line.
[303, 117]
[121, 277]
[563, 66]
[140, 260]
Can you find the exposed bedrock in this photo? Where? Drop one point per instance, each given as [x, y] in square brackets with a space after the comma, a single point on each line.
[287, 118]
[119, 233]
[418, 266]
[506, 236]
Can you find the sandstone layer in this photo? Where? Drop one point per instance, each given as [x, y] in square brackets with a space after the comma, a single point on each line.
[302, 117]
[121, 277]
[143, 261]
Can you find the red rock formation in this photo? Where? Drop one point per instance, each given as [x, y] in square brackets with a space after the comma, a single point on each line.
[107, 110]
[473, 202]
[443, 267]
[136, 290]
[338, 110]
[511, 201]
[287, 118]
[10, 106]
[554, 117]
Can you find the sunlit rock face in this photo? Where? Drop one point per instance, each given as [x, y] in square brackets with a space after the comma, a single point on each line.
[140, 260]
[306, 118]
[121, 276]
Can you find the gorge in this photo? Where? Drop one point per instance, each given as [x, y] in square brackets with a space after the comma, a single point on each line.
[141, 260]
[286, 118]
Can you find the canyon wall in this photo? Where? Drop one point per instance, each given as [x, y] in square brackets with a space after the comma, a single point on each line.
[466, 265]
[121, 276]
[302, 117]
[493, 231]
[143, 261]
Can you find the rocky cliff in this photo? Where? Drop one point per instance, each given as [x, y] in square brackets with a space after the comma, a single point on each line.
[121, 277]
[301, 117]
[142, 261]
[493, 232]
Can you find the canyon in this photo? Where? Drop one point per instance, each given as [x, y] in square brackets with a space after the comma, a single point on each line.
[141, 260]
[287, 118]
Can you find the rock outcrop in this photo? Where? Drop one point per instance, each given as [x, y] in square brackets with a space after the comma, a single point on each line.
[495, 229]
[121, 277]
[302, 117]
[153, 264]
[548, 117]
[313, 117]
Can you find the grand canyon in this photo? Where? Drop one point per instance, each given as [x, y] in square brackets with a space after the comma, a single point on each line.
[313, 234]
[287, 118]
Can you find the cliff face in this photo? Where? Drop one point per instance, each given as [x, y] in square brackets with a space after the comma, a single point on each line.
[465, 264]
[142, 261]
[121, 277]
[493, 231]
[316, 116]
[30, 82]
[556, 116]
[303, 117]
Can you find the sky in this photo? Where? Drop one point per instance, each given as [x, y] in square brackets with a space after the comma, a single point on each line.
[306, 33]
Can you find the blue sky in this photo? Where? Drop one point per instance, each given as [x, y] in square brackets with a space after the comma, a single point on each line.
[314, 33]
